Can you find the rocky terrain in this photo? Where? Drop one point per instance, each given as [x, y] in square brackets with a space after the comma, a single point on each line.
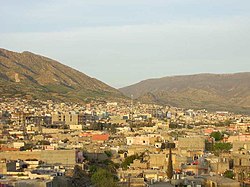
[29, 75]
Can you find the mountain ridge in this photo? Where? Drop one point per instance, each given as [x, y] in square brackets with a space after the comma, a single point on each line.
[26, 73]
[206, 90]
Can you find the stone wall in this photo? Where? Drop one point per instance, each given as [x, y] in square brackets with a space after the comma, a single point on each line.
[64, 157]
[191, 143]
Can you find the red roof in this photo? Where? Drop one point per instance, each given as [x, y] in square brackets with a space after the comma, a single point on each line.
[100, 137]
[208, 131]
[8, 149]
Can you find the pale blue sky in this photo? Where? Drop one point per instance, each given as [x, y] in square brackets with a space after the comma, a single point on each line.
[124, 41]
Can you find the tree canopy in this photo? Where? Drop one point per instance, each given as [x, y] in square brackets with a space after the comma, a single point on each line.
[229, 174]
[220, 146]
[103, 178]
[217, 135]
[170, 165]
[128, 161]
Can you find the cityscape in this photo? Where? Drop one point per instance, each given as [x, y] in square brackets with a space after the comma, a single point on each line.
[165, 101]
[46, 143]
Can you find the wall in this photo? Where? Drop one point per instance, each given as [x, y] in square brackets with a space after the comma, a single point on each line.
[65, 157]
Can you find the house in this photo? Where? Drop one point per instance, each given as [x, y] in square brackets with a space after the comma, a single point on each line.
[218, 181]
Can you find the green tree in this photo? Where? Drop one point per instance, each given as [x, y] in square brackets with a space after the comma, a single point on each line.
[108, 153]
[229, 174]
[220, 146]
[27, 146]
[79, 177]
[110, 165]
[43, 142]
[170, 165]
[93, 168]
[216, 135]
[103, 178]
[78, 172]
[113, 128]
[128, 161]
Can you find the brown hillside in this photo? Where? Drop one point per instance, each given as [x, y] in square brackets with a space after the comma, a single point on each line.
[28, 74]
[211, 91]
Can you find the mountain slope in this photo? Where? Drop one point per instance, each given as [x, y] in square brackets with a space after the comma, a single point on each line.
[28, 74]
[212, 91]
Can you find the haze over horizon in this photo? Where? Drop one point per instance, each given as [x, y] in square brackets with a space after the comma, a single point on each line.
[124, 42]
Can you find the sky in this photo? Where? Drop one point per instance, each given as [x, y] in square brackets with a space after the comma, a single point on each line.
[121, 42]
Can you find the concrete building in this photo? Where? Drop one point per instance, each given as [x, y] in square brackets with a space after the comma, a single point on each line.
[191, 143]
[218, 181]
[241, 166]
[68, 118]
[141, 140]
[241, 146]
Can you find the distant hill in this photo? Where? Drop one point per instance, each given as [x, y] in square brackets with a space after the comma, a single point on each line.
[34, 76]
[229, 92]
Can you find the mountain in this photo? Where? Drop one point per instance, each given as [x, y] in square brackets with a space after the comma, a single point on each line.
[229, 92]
[29, 75]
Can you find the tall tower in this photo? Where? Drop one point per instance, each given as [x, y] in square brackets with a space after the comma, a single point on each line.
[170, 165]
